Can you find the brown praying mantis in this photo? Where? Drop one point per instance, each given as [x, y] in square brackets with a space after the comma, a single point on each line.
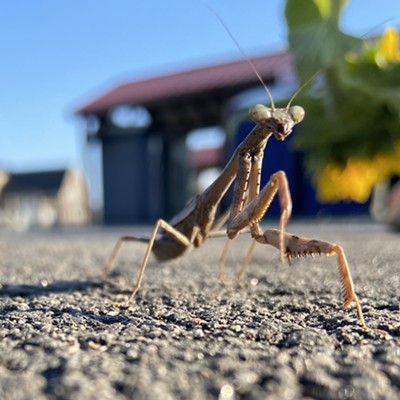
[198, 221]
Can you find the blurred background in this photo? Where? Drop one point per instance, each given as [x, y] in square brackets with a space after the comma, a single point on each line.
[118, 113]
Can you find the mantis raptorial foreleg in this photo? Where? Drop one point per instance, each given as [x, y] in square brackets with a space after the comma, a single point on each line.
[254, 212]
[288, 244]
[299, 247]
[247, 187]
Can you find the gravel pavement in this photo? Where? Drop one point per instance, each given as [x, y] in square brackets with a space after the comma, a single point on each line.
[63, 336]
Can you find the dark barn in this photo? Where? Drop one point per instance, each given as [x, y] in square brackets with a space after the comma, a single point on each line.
[142, 128]
[146, 171]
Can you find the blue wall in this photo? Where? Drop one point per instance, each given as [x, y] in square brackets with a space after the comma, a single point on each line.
[280, 156]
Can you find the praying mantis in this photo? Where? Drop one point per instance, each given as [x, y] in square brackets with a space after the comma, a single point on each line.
[198, 221]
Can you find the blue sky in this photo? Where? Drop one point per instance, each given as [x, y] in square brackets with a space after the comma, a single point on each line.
[56, 55]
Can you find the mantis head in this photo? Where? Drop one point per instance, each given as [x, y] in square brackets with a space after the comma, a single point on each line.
[279, 121]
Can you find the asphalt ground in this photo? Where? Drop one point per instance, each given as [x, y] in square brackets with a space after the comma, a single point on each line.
[282, 336]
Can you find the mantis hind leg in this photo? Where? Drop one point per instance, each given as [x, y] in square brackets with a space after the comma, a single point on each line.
[116, 250]
[160, 224]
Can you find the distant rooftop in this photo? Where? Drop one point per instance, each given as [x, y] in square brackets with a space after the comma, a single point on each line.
[47, 181]
[221, 80]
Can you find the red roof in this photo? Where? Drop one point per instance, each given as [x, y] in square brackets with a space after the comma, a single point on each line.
[160, 88]
[208, 157]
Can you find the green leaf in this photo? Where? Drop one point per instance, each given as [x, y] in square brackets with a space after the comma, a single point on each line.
[314, 34]
[300, 13]
[378, 84]
[355, 112]
[318, 46]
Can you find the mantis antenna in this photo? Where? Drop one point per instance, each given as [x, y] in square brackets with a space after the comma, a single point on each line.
[244, 56]
[311, 78]
[255, 69]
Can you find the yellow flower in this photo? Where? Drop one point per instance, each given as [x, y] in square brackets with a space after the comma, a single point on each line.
[388, 48]
[357, 178]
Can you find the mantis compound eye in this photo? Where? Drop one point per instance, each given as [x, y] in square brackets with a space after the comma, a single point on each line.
[260, 113]
[297, 113]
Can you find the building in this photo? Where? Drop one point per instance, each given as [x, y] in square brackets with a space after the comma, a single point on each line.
[142, 126]
[43, 199]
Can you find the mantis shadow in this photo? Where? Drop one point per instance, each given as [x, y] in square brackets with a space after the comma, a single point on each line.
[63, 286]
